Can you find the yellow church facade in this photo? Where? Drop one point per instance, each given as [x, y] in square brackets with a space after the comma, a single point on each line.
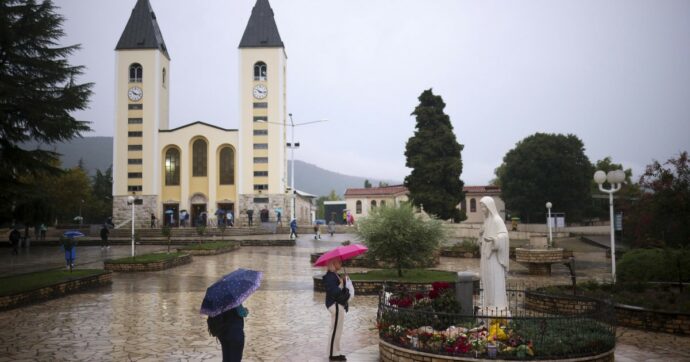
[203, 169]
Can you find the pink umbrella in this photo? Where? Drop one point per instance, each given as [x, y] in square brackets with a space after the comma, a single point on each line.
[342, 252]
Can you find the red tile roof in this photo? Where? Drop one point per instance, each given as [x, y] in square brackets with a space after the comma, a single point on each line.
[401, 189]
[377, 191]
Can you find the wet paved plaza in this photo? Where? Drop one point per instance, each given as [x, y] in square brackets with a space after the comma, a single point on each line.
[154, 316]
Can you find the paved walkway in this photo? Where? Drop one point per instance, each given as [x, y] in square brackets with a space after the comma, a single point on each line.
[154, 316]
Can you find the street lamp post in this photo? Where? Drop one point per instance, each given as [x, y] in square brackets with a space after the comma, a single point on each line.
[548, 222]
[130, 200]
[292, 146]
[614, 178]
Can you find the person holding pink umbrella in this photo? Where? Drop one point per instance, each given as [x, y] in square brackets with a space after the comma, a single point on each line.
[337, 296]
[337, 293]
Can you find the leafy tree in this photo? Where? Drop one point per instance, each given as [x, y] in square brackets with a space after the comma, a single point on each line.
[367, 184]
[661, 217]
[70, 193]
[546, 167]
[399, 236]
[101, 205]
[383, 184]
[434, 155]
[37, 93]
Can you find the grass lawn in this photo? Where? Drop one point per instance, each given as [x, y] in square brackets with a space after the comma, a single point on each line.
[209, 246]
[26, 282]
[146, 258]
[409, 275]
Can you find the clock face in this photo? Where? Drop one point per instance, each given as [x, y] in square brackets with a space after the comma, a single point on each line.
[135, 94]
[260, 91]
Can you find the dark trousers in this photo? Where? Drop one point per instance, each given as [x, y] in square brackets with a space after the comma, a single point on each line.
[233, 346]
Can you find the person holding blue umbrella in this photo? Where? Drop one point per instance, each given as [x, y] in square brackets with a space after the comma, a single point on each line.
[223, 305]
[69, 245]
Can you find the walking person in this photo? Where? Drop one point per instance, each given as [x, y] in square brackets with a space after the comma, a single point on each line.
[43, 231]
[337, 296]
[250, 217]
[317, 231]
[15, 236]
[331, 227]
[69, 245]
[104, 237]
[231, 218]
[153, 220]
[293, 228]
[279, 221]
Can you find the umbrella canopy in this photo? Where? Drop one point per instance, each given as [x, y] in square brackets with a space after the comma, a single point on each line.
[320, 222]
[77, 218]
[169, 211]
[72, 234]
[220, 212]
[342, 252]
[230, 291]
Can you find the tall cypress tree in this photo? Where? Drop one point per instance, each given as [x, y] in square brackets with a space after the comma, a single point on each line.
[434, 155]
[37, 92]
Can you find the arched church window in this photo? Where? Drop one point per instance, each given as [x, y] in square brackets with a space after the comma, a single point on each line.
[136, 73]
[358, 207]
[227, 166]
[172, 167]
[373, 204]
[473, 205]
[260, 71]
[383, 203]
[199, 158]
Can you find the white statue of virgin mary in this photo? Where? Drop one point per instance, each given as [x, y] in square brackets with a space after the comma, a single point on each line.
[494, 257]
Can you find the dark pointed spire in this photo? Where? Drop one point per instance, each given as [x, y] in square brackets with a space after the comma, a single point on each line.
[142, 31]
[261, 31]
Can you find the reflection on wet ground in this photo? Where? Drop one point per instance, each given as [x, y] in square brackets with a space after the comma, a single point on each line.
[155, 316]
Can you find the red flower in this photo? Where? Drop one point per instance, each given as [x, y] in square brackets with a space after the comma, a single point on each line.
[439, 286]
[419, 296]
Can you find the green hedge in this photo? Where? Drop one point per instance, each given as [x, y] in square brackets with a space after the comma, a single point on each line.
[209, 246]
[25, 282]
[146, 258]
[656, 265]
[409, 275]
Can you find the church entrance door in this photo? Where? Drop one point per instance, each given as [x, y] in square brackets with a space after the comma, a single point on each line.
[199, 215]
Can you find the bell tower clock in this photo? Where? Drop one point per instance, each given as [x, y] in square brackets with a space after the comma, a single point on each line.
[263, 65]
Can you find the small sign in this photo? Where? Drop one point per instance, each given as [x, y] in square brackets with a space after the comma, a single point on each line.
[618, 221]
[560, 222]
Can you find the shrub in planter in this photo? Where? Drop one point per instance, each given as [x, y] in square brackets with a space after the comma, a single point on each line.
[658, 265]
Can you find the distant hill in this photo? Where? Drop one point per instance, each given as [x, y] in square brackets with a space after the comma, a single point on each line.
[97, 153]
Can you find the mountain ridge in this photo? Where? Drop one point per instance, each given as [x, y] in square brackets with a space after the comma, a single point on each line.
[97, 153]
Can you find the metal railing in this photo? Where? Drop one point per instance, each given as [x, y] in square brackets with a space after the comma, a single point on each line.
[409, 318]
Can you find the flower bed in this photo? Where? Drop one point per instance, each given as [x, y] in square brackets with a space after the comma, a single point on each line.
[363, 261]
[430, 322]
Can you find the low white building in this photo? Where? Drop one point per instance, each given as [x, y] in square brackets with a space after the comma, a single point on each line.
[361, 200]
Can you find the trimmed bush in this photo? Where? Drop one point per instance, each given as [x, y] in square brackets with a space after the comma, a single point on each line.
[655, 265]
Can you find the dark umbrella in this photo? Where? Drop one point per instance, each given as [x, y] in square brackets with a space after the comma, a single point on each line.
[72, 234]
[230, 291]
[220, 212]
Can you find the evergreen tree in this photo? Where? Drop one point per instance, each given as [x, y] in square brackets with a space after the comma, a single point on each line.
[546, 167]
[37, 92]
[367, 184]
[434, 155]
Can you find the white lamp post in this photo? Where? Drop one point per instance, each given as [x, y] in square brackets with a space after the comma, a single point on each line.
[548, 222]
[614, 178]
[130, 200]
[292, 146]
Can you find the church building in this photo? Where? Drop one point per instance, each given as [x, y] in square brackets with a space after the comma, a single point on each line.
[199, 168]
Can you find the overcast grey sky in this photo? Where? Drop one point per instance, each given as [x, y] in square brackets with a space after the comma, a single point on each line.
[615, 73]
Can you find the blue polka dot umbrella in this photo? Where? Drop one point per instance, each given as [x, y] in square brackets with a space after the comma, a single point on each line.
[230, 291]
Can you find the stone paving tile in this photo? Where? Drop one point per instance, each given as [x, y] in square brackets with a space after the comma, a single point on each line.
[155, 316]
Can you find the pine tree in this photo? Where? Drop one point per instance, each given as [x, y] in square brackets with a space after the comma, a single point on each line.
[37, 92]
[434, 155]
[367, 184]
